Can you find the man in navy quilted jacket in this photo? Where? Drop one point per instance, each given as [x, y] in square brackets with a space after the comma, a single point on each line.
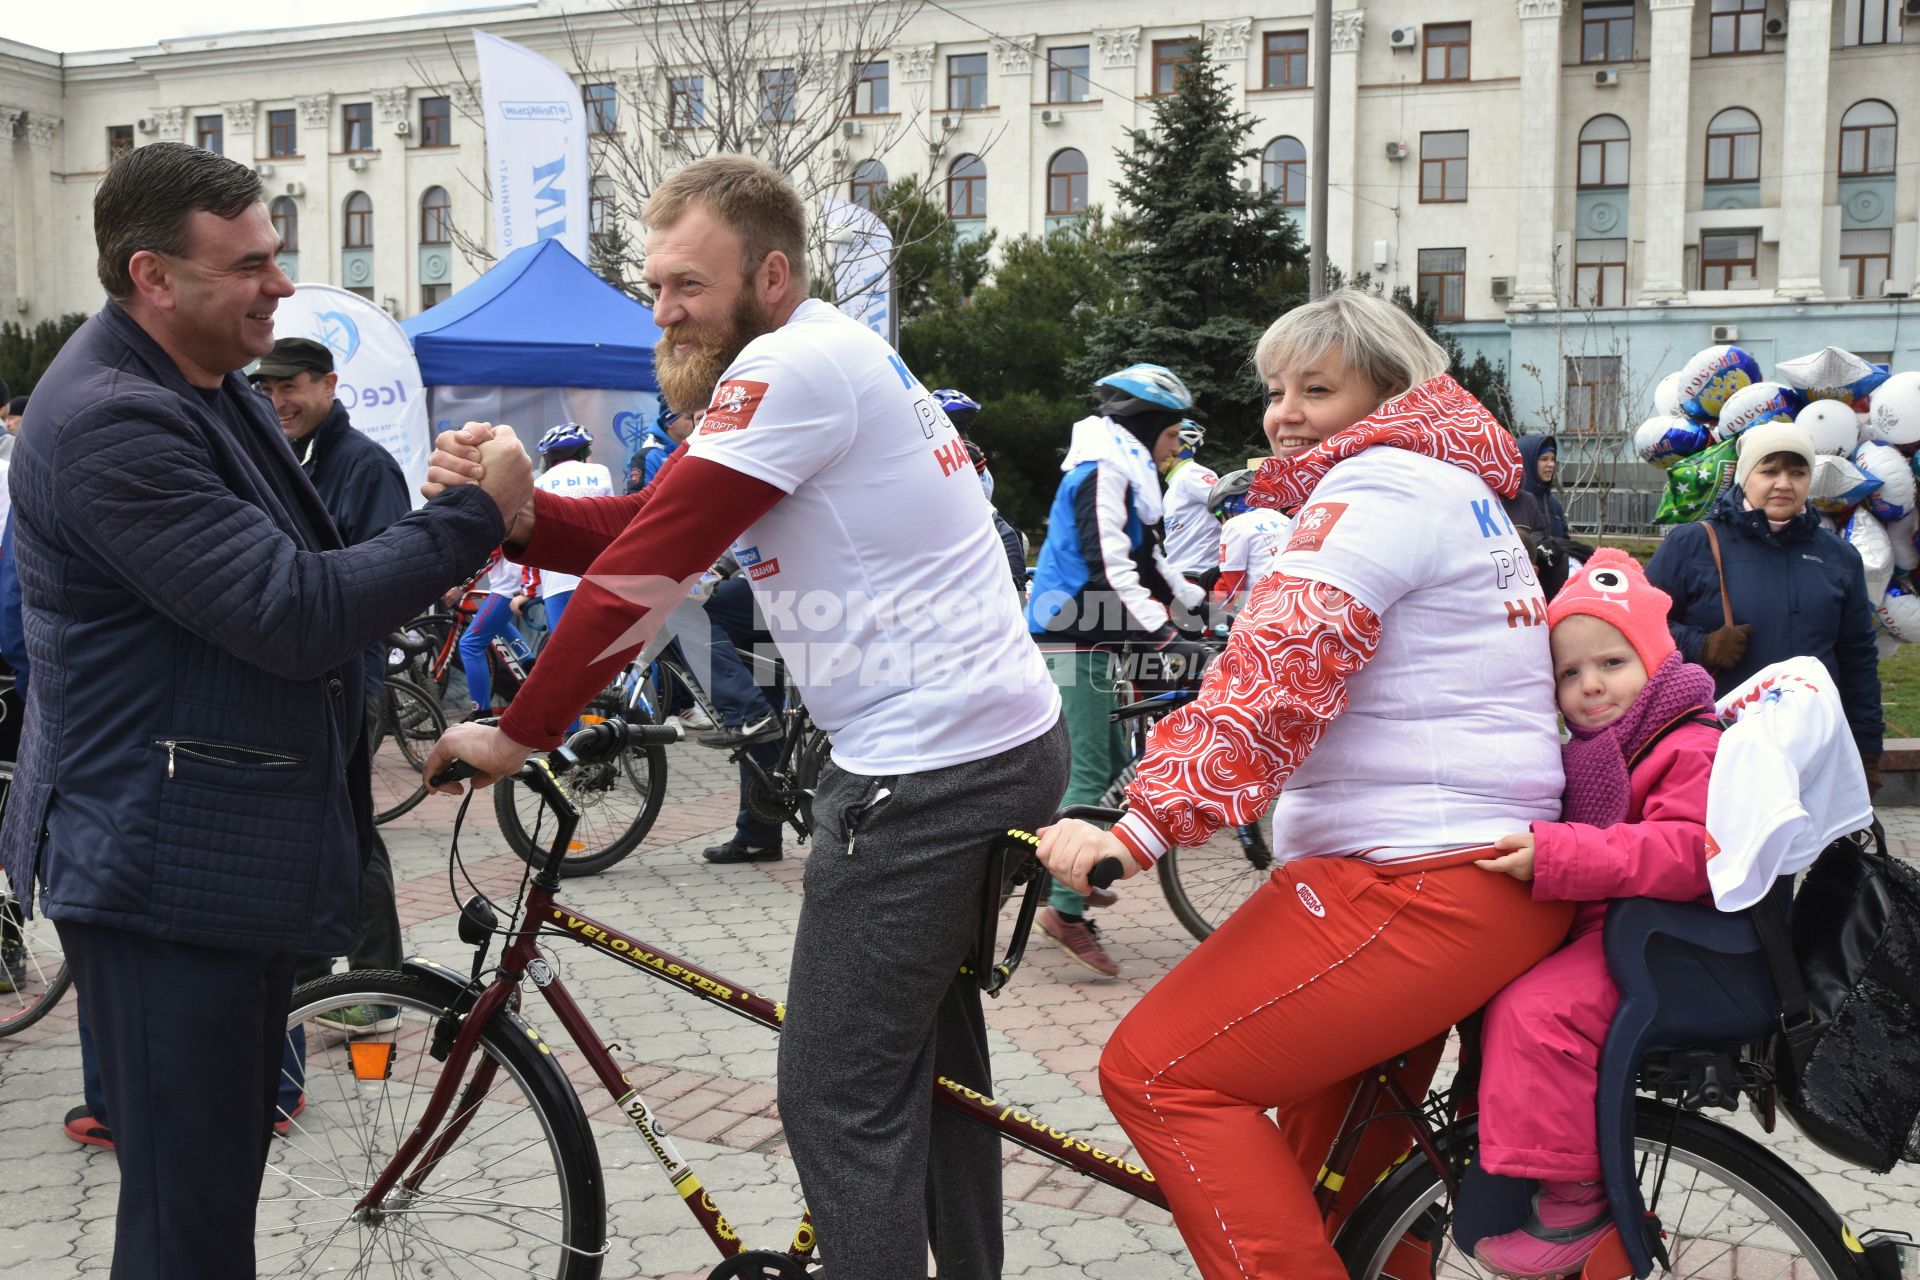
[191, 794]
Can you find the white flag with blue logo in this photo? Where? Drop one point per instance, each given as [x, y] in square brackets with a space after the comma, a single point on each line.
[536, 148]
[862, 251]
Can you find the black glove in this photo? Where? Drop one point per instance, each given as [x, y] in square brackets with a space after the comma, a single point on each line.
[1174, 662]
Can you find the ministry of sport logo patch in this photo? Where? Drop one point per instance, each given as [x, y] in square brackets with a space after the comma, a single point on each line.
[733, 407]
[1315, 523]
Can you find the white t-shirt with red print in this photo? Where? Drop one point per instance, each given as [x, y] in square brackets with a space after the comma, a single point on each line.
[1192, 534]
[880, 576]
[1250, 547]
[1450, 736]
[572, 479]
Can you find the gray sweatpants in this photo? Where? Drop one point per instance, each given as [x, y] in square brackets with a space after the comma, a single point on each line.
[876, 1009]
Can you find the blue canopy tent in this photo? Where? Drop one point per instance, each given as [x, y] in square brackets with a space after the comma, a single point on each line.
[539, 339]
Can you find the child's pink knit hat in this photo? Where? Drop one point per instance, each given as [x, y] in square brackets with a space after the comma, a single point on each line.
[1614, 588]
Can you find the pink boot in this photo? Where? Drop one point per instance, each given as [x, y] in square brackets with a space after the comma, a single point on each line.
[1569, 1219]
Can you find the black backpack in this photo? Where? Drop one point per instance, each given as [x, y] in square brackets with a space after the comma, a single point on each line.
[1847, 971]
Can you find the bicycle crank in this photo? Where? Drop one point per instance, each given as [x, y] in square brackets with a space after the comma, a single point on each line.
[760, 1264]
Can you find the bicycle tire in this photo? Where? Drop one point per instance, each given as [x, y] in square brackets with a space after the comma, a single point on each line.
[1206, 884]
[33, 982]
[411, 720]
[609, 827]
[354, 1117]
[1405, 1213]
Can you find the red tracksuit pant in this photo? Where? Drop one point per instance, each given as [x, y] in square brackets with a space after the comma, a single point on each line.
[1333, 966]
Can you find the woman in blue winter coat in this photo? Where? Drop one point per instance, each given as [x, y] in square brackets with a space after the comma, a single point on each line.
[1793, 587]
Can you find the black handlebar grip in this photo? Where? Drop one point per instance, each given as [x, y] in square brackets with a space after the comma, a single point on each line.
[1104, 872]
[654, 735]
[458, 771]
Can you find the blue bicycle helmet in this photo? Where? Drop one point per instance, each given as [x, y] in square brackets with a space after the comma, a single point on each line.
[1228, 497]
[568, 435]
[959, 407]
[1143, 387]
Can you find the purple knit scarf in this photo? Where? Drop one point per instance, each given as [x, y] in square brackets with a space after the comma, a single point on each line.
[1598, 790]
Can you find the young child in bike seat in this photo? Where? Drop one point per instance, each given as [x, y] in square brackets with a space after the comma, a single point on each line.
[1633, 824]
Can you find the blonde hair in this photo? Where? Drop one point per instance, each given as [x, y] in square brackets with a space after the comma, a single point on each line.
[1377, 340]
[748, 195]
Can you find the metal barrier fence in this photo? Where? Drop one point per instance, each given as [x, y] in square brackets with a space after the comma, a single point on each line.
[1627, 511]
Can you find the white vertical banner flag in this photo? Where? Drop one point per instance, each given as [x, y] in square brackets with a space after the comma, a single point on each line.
[862, 251]
[536, 147]
[379, 378]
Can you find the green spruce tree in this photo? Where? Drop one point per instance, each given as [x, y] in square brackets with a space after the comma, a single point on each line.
[1212, 258]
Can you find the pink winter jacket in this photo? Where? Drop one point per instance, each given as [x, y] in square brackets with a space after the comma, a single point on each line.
[1658, 852]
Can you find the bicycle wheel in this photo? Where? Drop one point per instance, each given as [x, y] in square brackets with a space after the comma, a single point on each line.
[33, 969]
[617, 799]
[1205, 884]
[409, 723]
[517, 1192]
[1723, 1199]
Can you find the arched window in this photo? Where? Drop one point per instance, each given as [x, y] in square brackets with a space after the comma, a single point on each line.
[1283, 171]
[967, 189]
[1066, 183]
[1867, 134]
[1604, 148]
[869, 180]
[286, 223]
[436, 217]
[359, 221]
[1733, 146]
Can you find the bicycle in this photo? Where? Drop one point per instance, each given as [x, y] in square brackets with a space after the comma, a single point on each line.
[458, 1135]
[33, 968]
[403, 723]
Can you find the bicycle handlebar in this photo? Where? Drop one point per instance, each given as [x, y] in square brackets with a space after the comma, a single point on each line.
[591, 745]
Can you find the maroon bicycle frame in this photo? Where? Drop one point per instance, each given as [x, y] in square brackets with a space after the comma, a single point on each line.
[522, 960]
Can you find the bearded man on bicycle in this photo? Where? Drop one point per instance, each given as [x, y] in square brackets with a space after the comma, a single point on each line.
[850, 500]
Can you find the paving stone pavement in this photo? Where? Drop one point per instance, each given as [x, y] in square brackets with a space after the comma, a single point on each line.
[711, 1074]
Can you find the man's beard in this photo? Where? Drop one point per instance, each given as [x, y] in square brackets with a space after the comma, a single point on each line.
[687, 381]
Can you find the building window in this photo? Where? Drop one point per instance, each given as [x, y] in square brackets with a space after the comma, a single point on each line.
[1606, 33]
[1737, 26]
[1066, 183]
[1067, 74]
[286, 223]
[599, 207]
[966, 81]
[1286, 59]
[1867, 134]
[1593, 394]
[436, 217]
[1727, 257]
[358, 120]
[359, 228]
[1168, 57]
[687, 102]
[436, 122]
[603, 108]
[869, 181]
[1733, 146]
[208, 133]
[967, 188]
[432, 295]
[779, 90]
[282, 139]
[1443, 282]
[1443, 167]
[1866, 257]
[1448, 46]
[1604, 146]
[119, 141]
[870, 90]
[1600, 273]
[1283, 171]
[1872, 22]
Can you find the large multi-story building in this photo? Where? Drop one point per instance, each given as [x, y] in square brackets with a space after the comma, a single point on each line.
[1589, 190]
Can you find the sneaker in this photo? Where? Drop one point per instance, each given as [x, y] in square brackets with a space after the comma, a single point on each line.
[1102, 898]
[734, 852]
[765, 729]
[1569, 1220]
[283, 1123]
[13, 972]
[1078, 939]
[360, 1019]
[83, 1128]
[692, 720]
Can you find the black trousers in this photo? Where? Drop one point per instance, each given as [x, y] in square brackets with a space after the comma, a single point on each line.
[188, 1041]
[380, 946]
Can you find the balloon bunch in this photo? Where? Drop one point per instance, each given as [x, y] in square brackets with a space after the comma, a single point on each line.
[1865, 425]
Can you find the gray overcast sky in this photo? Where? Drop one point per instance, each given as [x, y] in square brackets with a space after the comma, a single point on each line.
[113, 24]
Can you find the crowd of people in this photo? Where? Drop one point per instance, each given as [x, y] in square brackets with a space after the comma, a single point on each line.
[209, 564]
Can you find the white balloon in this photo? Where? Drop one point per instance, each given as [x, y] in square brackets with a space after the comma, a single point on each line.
[1835, 427]
[1869, 537]
[1894, 413]
[1663, 441]
[1894, 499]
[1906, 550]
[1667, 397]
[1899, 616]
